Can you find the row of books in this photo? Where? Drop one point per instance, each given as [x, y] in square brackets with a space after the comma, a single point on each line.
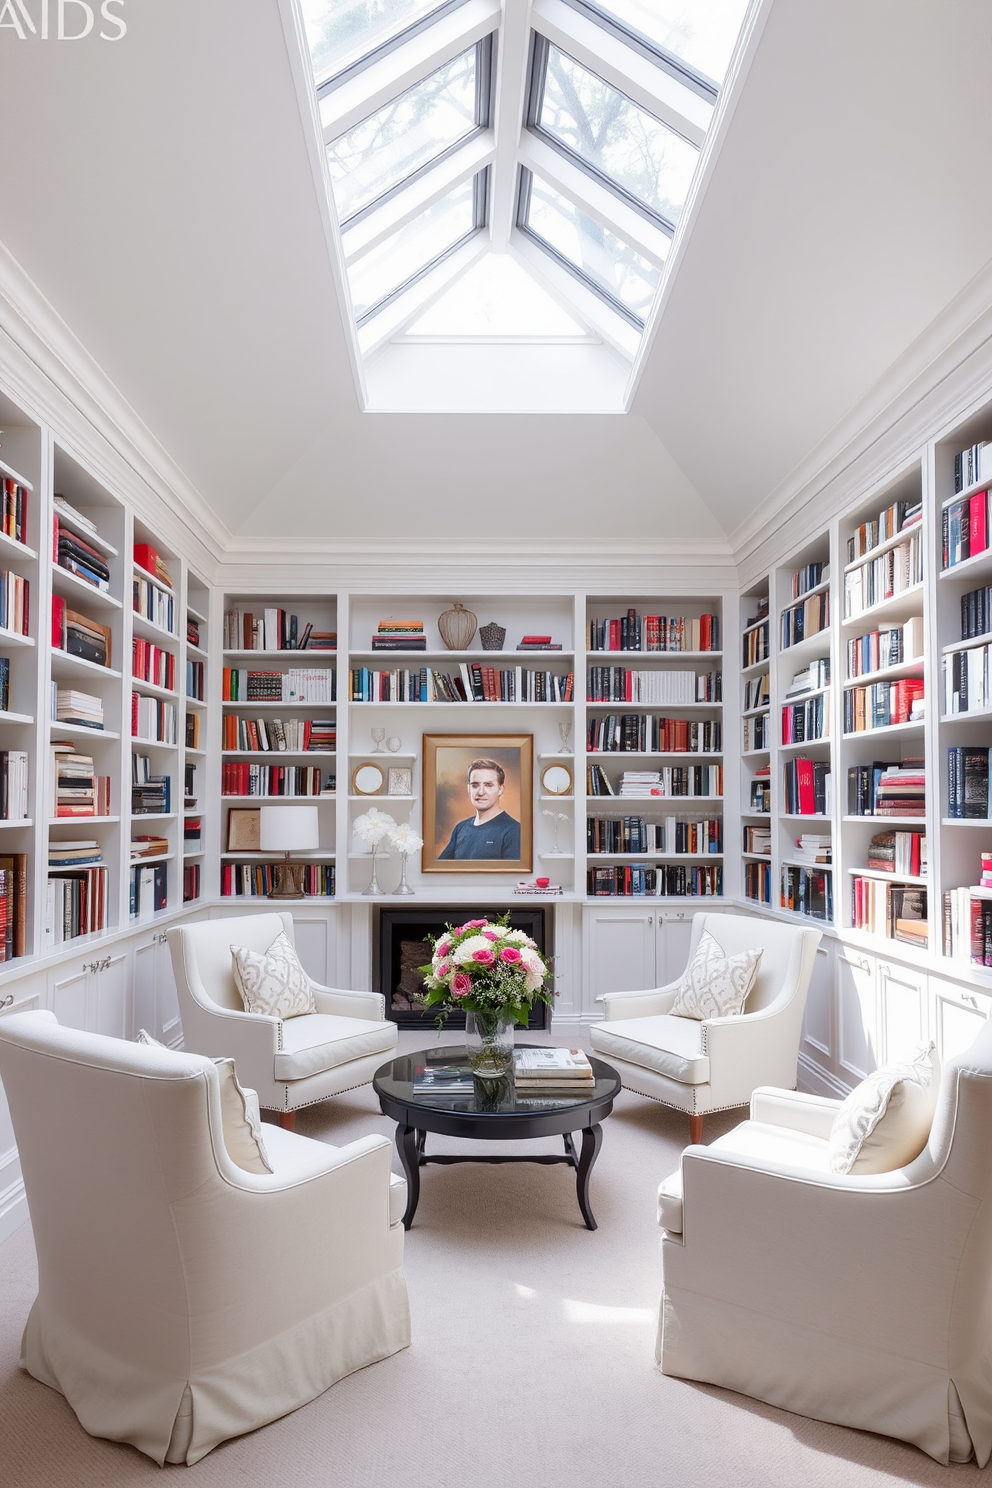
[757, 732]
[813, 676]
[634, 834]
[195, 674]
[967, 927]
[14, 510]
[76, 903]
[153, 719]
[634, 632]
[273, 630]
[153, 603]
[13, 785]
[761, 793]
[893, 519]
[148, 890]
[899, 852]
[646, 733]
[13, 905]
[885, 648]
[968, 680]
[296, 685]
[757, 693]
[622, 685]
[891, 573]
[971, 465]
[673, 881]
[758, 882]
[804, 620]
[808, 891]
[4, 684]
[976, 612]
[882, 704]
[78, 635]
[807, 787]
[191, 882]
[968, 782]
[192, 631]
[756, 645]
[149, 663]
[812, 847]
[192, 834]
[242, 778]
[672, 780]
[806, 721]
[895, 911]
[256, 880]
[192, 730]
[809, 577]
[887, 789]
[758, 840]
[77, 790]
[964, 529]
[471, 683]
[80, 558]
[151, 793]
[278, 735]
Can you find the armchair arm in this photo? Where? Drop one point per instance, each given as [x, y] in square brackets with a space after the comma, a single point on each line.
[812, 1114]
[751, 1049]
[645, 1004]
[346, 1004]
[250, 1039]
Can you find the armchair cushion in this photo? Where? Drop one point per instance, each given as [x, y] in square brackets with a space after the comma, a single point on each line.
[663, 1043]
[885, 1121]
[323, 1041]
[273, 981]
[714, 984]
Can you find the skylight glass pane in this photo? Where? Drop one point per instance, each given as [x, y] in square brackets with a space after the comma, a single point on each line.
[702, 33]
[341, 31]
[497, 299]
[610, 133]
[409, 251]
[623, 275]
[407, 134]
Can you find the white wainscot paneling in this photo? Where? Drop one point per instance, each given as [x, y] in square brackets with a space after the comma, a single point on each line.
[902, 1005]
[29, 996]
[857, 1016]
[316, 944]
[619, 951]
[958, 1016]
[816, 1048]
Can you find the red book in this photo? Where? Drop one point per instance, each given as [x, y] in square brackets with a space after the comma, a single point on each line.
[146, 555]
[804, 787]
[58, 622]
[978, 526]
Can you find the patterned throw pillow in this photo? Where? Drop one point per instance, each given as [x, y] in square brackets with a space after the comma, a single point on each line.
[715, 985]
[242, 1131]
[885, 1121]
[273, 981]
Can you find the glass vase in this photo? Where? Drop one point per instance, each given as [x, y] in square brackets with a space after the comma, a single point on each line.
[489, 1041]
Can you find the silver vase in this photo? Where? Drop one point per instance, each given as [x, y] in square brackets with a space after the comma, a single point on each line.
[374, 885]
[403, 887]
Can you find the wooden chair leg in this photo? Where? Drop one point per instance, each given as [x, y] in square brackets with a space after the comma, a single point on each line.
[287, 1120]
[695, 1129]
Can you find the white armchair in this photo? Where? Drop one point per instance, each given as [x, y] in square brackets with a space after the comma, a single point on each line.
[290, 1063]
[714, 1065]
[181, 1299]
[865, 1300]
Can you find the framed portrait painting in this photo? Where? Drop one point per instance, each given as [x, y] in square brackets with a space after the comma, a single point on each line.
[478, 803]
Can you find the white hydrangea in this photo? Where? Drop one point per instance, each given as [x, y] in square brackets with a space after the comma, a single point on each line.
[518, 938]
[466, 951]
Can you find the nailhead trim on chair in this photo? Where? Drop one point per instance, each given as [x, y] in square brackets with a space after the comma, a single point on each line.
[319, 1101]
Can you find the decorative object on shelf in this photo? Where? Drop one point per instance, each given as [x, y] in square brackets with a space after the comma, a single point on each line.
[564, 729]
[371, 828]
[394, 744]
[493, 974]
[457, 627]
[378, 734]
[243, 829]
[405, 841]
[288, 829]
[400, 782]
[556, 780]
[492, 636]
[491, 775]
[367, 780]
[556, 817]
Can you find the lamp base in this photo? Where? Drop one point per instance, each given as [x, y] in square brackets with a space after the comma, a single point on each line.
[288, 881]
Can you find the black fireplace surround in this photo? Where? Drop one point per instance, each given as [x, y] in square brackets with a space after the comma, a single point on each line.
[401, 946]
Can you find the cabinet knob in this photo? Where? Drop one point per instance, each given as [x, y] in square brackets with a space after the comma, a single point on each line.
[650, 919]
[965, 997]
[7, 1001]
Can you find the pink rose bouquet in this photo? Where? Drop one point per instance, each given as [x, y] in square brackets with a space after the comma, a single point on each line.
[485, 967]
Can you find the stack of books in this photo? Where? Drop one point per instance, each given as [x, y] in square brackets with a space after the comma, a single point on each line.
[78, 634]
[192, 834]
[902, 791]
[450, 1081]
[812, 847]
[319, 640]
[903, 853]
[81, 708]
[76, 790]
[73, 854]
[78, 557]
[538, 643]
[146, 846]
[151, 794]
[547, 1071]
[399, 635]
[149, 558]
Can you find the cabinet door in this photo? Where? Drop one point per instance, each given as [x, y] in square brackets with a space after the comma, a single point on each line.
[155, 1004]
[68, 993]
[674, 934]
[315, 932]
[902, 1008]
[857, 1016]
[958, 1016]
[619, 951]
[109, 996]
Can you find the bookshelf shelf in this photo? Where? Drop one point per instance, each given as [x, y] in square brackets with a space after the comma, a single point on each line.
[149, 629]
[80, 731]
[883, 547]
[12, 638]
[896, 878]
[8, 717]
[10, 548]
[64, 664]
[970, 568]
[16, 821]
[74, 588]
[150, 689]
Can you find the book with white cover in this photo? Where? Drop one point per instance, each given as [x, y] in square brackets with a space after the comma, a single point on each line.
[551, 1064]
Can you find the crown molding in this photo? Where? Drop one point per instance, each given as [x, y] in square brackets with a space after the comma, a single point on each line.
[55, 379]
[944, 369]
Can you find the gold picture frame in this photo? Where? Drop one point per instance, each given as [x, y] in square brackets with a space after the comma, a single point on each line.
[454, 835]
[364, 782]
[244, 829]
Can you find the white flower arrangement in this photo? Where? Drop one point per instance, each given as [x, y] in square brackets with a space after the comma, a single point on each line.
[373, 826]
[405, 839]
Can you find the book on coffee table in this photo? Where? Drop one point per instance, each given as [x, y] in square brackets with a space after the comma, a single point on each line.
[552, 1070]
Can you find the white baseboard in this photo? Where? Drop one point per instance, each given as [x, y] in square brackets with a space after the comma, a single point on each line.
[13, 1208]
[817, 1081]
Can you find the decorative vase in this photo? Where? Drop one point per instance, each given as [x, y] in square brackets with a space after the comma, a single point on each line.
[457, 627]
[489, 1041]
[492, 636]
[403, 887]
[493, 1095]
[373, 887]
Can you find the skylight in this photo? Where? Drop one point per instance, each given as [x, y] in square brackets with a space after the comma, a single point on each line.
[601, 109]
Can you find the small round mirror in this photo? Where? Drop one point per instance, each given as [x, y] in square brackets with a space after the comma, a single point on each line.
[367, 780]
[556, 780]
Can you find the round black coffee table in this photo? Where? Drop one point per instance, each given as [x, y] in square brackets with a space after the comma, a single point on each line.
[489, 1111]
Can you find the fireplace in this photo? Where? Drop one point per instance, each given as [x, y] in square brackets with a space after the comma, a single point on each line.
[401, 946]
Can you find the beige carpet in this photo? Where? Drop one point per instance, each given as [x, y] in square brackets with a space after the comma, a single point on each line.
[532, 1360]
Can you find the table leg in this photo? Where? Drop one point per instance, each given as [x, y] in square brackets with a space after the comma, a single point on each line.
[408, 1146]
[592, 1140]
[570, 1149]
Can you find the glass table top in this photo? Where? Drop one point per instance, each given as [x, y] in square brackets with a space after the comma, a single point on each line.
[440, 1079]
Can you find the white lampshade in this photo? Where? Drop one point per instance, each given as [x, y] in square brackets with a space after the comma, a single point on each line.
[288, 829]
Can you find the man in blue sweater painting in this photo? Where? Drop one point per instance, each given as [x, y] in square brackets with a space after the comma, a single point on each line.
[491, 832]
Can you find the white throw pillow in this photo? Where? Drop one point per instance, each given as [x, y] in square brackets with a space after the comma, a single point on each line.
[715, 985]
[242, 1131]
[885, 1121]
[144, 1037]
[273, 981]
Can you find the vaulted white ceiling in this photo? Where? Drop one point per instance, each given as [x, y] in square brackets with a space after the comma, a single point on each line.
[159, 193]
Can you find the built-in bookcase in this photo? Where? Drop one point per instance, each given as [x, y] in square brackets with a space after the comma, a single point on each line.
[755, 744]
[195, 729]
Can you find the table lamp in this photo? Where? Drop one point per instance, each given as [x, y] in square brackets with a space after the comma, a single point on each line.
[286, 829]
